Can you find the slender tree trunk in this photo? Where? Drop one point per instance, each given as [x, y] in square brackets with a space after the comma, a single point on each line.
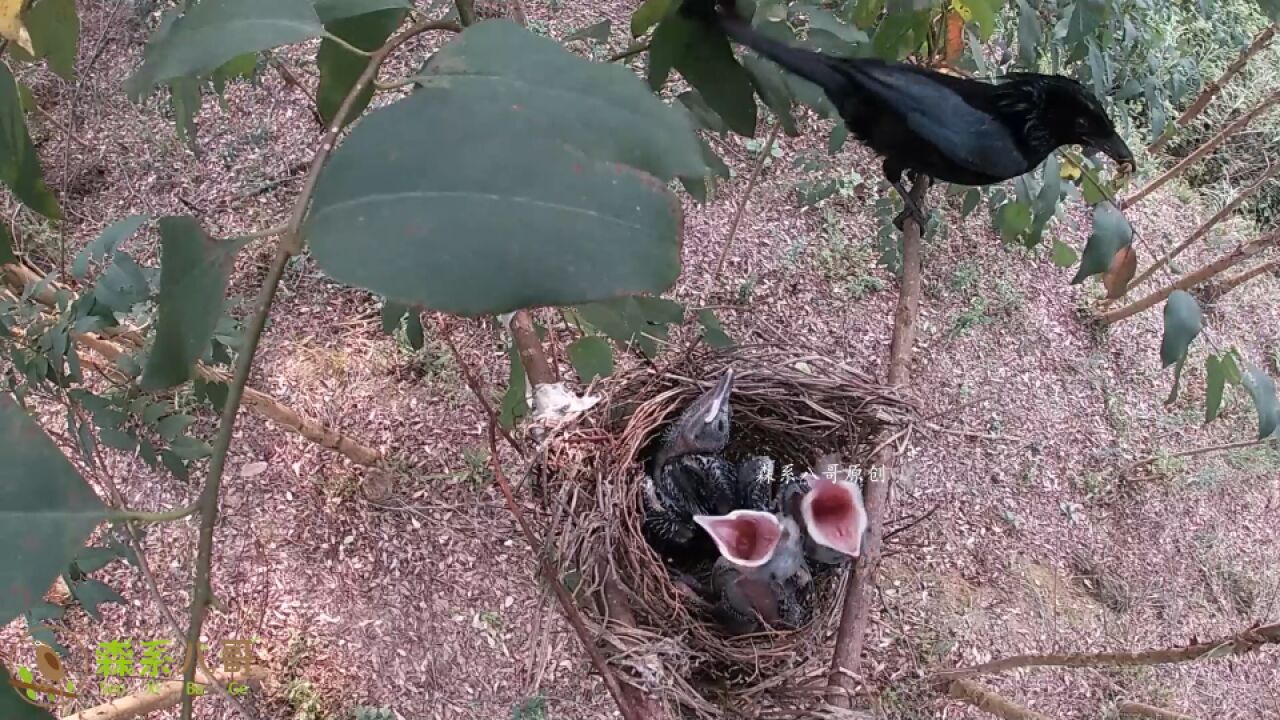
[1186, 282]
[1208, 225]
[1261, 41]
[1237, 125]
[858, 586]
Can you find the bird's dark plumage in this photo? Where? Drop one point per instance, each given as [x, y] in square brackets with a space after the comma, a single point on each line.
[688, 477]
[952, 129]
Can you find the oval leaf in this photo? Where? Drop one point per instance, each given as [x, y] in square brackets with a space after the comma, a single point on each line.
[703, 56]
[592, 357]
[1111, 231]
[1123, 267]
[193, 285]
[55, 34]
[19, 164]
[46, 511]
[340, 67]
[1263, 391]
[213, 32]
[1183, 321]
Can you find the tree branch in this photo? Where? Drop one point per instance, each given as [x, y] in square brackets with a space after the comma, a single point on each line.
[145, 702]
[1173, 172]
[1238, 644]
[1190, 280]
[1236, 281]
[756, 172]
[1206, 226]
[289, 245]
[529, 347]
[857, 595]
[990, 701]
[1261, 41]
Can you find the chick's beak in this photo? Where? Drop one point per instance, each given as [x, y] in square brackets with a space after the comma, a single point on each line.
[745, 537]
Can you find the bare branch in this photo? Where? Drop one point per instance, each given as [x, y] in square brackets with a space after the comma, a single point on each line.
[746, 196]
[1137, 709]
[990, 701]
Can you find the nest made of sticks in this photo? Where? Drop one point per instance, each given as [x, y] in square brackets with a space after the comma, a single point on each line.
[786, 404]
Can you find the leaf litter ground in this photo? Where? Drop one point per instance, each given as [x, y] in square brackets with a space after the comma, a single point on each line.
[420, 596]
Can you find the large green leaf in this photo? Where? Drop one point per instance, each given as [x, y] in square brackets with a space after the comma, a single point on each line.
[55, 34]
[647, 15]
[703, 56]
[1183, 321]
[1030, 32]
[1013, 219]
[773, 90]
[1263, 391]
[105, 244]
[518, 175]
[712, 331]
[46, 511]
[215, 31]
[193, 284]
[19, 164]
[12, 706]
[1110, 233]
[591, 357]
[1270, 8]
[330, 10]
[341, 67]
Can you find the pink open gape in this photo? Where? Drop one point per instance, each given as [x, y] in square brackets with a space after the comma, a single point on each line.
[745, 537]
[834, 515]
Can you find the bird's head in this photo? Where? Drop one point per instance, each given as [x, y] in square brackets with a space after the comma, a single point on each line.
[834, 515]
[704, 426]
[747, 538]
[1079, 119]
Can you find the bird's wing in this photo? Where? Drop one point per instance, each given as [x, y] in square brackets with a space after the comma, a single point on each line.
[972, 138]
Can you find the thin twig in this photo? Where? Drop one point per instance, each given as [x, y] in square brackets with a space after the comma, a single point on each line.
[1209, 145]
[1137, 709]
[1238, 644]
[756, 172]
[1200, 451]
[632, 51]
[290, 244]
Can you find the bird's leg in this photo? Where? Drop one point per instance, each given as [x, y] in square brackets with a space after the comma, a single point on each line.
[912, 208]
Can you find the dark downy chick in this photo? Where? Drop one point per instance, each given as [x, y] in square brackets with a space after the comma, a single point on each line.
[755, 483]
[761, 579]
[688, 477]
[955, 130]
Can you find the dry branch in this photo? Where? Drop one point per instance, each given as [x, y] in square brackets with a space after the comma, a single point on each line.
[1200, 451]
[857, 599]
[1206, 226]
[1236, 281]
[165, 695]
[19, 277]
[1137, 709]
[990, 701]
[756, 172]
[1238, 644]
[1190, 280]
[1209, 145]
[1260, 41]
[529, 347]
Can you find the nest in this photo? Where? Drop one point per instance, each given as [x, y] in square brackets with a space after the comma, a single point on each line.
[787, 405]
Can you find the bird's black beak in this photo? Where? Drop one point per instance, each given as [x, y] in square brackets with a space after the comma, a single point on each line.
[1115, 148]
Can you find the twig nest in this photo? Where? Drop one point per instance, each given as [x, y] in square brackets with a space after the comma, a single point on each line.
[788, 405]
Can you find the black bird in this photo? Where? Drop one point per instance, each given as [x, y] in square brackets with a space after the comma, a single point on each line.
[688, 477]
[956, 130]
[761, 577]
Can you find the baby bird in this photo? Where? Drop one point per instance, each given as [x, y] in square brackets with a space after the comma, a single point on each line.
[688, 477]
[755, 484]
[761, 579]
[830, 514]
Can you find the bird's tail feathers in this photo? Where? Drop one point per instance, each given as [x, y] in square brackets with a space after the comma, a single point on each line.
[812, 66]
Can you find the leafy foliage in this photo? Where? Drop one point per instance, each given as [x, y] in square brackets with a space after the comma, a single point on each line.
[579, 187]
[340, 67]
[46, 510]
[1183, 321]
[19, 165]
[55, 34]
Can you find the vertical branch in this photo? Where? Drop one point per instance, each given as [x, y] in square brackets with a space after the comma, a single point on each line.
[466, 12]
[1262, 40]
[1208, 225]
[1213, 142]
[532, 355]
[857, 595]
[746, 195]
[1190, 280]
[289, 244]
